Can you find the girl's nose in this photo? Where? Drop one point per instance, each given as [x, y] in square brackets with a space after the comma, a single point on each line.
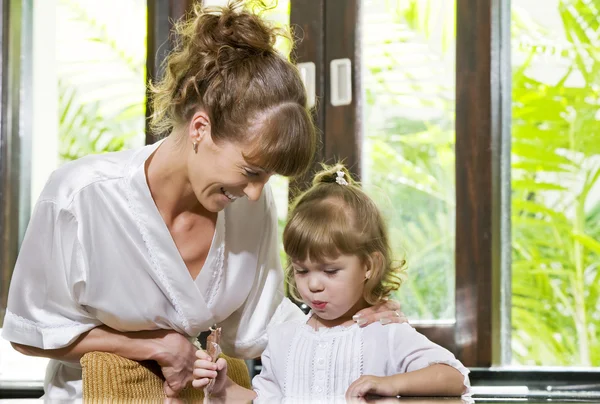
[314, 284]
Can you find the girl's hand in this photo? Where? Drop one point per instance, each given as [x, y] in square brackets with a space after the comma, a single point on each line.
[372, 385]
[206, 370]
[175, 356]
[385, 313]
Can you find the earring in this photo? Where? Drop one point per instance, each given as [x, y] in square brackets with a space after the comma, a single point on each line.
[195, 147]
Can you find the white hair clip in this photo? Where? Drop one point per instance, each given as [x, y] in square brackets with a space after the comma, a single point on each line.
[340, 178]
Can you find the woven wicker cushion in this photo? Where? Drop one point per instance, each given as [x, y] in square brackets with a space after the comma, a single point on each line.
[110, 376]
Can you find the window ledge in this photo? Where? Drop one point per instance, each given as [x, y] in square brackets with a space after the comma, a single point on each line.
[538, 383]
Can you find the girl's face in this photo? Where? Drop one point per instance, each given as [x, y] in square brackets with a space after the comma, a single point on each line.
[334, 288]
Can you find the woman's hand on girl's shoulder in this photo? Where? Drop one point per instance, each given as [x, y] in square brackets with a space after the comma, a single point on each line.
[386, 313]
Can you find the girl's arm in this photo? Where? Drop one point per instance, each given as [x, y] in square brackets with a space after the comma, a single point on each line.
[235, 392]
[434, 380]
[173, 352]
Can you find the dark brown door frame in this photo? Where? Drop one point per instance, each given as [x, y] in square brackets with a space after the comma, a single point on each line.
[320, 41]
[161, 17]
[307, 19]
[343, 134]
[483, 75]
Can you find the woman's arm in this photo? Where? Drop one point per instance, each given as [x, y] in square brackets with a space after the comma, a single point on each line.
[434, 380]
[171, 350]
[139, 345]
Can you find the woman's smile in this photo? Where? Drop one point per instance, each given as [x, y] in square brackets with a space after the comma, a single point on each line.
[229, 195]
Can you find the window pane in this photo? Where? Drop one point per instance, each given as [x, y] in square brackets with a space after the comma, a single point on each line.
[555, 182]
[101, 62]
[88, 97]
[280, 16]
[408, 70]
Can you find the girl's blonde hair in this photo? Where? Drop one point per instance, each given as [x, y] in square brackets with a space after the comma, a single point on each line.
[225, 62]
[336, 217]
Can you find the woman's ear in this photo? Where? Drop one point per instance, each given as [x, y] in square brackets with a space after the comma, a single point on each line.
[199, 126]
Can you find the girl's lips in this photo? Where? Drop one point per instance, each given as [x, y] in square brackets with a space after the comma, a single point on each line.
[319, 305]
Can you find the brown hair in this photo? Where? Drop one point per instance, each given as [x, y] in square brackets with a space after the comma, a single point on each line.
[331, 219]
[225, 62]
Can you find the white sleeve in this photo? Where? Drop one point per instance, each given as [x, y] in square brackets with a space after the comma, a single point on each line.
[266, 385]
[47, 283]
[245, 331]
[412, 351]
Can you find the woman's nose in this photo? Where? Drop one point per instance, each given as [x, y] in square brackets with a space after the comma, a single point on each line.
[254, 189]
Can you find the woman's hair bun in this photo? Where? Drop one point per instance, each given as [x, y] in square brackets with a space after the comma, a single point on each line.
[233, 26]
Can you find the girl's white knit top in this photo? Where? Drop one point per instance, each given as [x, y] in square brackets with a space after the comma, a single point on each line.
[303, 363]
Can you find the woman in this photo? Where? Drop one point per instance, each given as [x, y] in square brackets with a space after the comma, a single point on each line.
[137, 252]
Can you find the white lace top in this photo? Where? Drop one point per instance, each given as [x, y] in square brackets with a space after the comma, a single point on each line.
[302, 363]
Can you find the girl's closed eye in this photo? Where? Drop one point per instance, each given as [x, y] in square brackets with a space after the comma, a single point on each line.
[300, 271]
[331, 271]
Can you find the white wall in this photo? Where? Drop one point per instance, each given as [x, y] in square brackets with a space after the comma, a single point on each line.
[44, 153]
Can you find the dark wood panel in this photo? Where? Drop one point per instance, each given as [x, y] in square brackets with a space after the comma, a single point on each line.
[307, 21]
[480, 124]
[161, 15]
[342, 127]
[440, 334]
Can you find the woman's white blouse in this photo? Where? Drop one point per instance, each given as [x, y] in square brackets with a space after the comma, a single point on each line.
[302, 363]
[97, 251]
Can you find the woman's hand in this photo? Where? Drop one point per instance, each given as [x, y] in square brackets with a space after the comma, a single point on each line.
[205, 371]
[385, 313]
[372, 385]
[175, 355]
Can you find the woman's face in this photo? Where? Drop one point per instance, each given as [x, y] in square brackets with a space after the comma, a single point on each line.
[219, 174]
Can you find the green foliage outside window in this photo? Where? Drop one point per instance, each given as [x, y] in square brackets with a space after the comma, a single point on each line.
[101, 71]
[556, 193]
[555, 182]
[407, 49]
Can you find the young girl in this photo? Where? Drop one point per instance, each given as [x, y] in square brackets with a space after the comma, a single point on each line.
[340, 263]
